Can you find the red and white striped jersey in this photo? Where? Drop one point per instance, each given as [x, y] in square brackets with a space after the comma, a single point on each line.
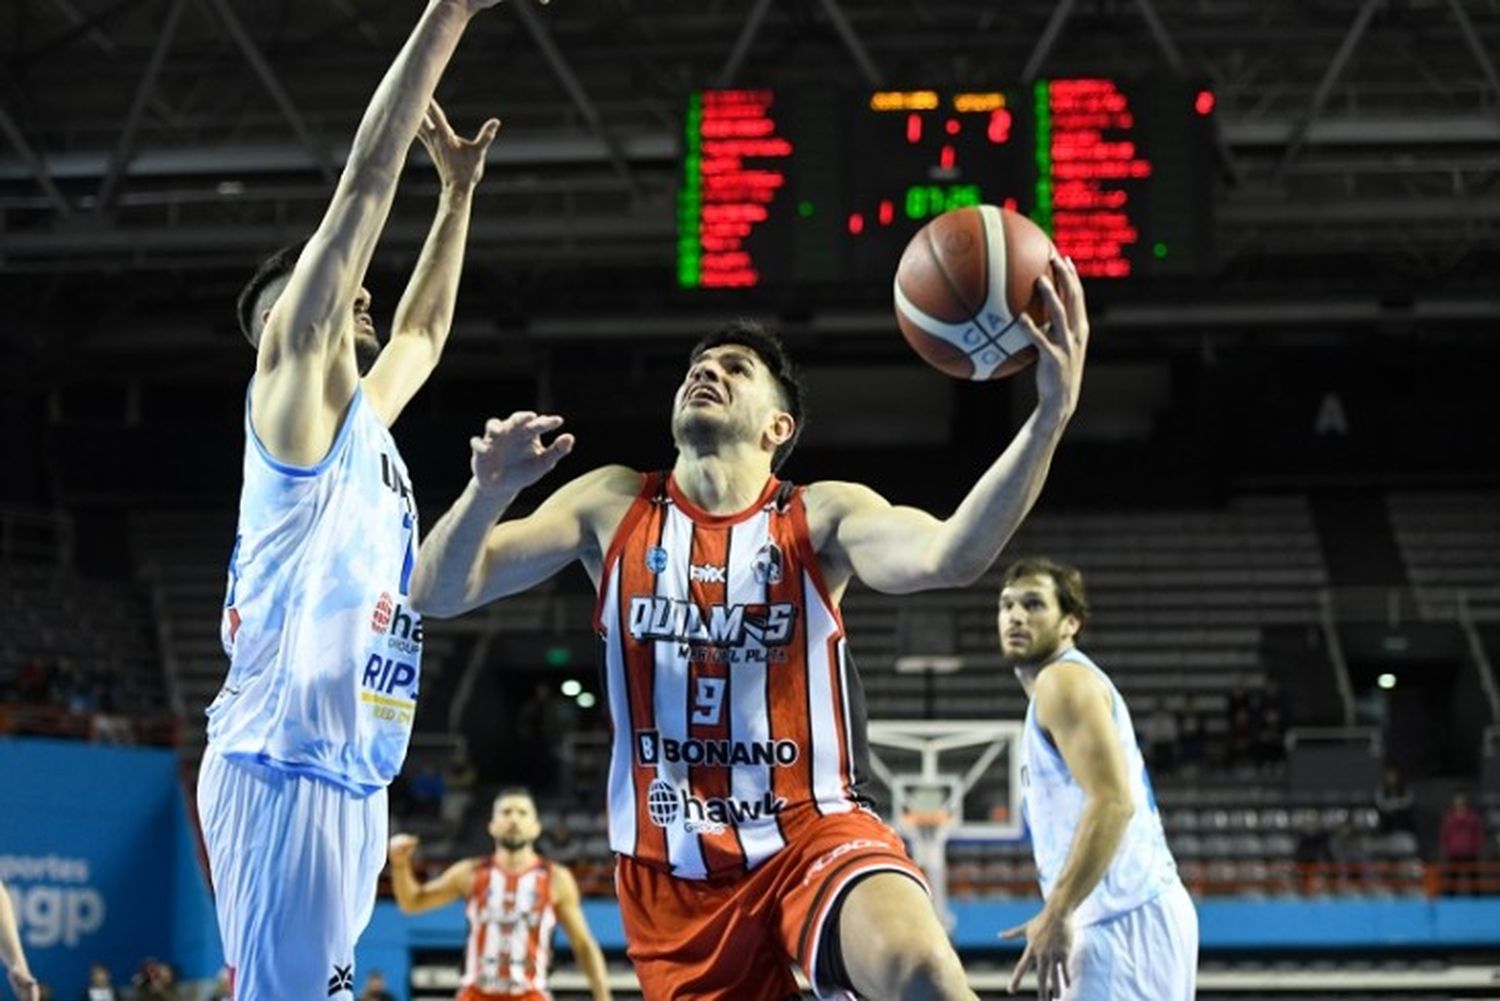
[732, 708]
[510, 929]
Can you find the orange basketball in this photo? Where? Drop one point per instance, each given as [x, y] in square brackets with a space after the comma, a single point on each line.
[963, 281]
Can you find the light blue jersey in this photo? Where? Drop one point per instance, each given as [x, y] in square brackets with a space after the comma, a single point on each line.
[324, 649]
[1053, 803]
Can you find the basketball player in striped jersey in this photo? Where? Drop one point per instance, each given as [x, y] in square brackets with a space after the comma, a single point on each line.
[1117, 922]
[313, 719]
[513, 899]
[742, 843]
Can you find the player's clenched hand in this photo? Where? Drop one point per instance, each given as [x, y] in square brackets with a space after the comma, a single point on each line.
[402, 847]
[1048, 942]
[1062, 346]
[511, 455]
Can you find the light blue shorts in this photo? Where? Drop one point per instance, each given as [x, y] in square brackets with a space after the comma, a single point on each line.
[1148, 954]
[294, 862]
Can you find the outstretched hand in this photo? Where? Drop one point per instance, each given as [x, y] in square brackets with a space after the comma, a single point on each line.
[1048, 943]
[459, 161]
[511, 455]
[1061, 348]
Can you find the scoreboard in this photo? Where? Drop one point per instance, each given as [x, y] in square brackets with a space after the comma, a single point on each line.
[781, 188]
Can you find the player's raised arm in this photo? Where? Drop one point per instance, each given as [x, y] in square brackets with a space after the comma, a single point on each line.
[414, 897]
[900, 549]
[467, 559]
[301, 389]
[425, 314]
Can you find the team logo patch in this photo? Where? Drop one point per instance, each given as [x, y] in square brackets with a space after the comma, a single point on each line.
[342, 980]
[767, 565]
[661, 803]
[647, 747]
[707, 573]
[381, 617]
[656, 559]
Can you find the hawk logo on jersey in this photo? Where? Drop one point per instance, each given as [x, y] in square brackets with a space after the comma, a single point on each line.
[381, 618]
[767, 565]
[666, 805]
[707, 574]
[656, 559]
[654, 618]
[403, 625]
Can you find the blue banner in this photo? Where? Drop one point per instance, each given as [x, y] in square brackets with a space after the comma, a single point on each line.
[98, 853]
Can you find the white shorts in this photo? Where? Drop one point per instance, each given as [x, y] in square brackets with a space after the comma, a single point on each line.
[1148, 954]
[294, 862]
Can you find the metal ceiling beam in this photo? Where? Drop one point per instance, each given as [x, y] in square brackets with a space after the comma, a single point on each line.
[1429, 133]
[742, 43]
[143, 92]
[86, 246]
[361, 23]
[544, 150]
[851, 41]
[273, 86]
[574, 87]
[1050, 34]
[84, 28]
[1325, 86]
[1476, 46]
[1384, 212]
[35, 167]
[95, 35]
[1164, 42]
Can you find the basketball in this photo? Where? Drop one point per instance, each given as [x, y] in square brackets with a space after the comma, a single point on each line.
[963, 281]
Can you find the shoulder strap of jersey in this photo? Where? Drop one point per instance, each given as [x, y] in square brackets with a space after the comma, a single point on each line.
[783, 495]
[481, 862]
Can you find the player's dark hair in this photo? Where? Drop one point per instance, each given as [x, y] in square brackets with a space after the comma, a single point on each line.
[1066, 579]
[509, 791]
[273, 272]
[768, 347]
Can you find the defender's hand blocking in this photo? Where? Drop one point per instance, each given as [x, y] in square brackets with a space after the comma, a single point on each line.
[459, 161]
[1048, 944]
[1061, 349]
[511, 454]
[403, 846]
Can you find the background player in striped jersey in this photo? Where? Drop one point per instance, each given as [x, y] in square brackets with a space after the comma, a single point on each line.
[313, 720]
[1117, 923]
[513, 899]
[742, 842]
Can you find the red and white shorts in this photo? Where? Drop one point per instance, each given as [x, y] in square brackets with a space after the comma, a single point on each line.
[734, 938]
